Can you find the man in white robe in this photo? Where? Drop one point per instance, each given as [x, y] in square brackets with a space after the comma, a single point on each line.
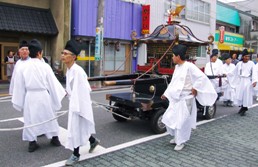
[81, 124]
[24, 54]
[188, 83]
[213, 68]
[227, 89]
[39, 96]
[244, 79]
[256, 71]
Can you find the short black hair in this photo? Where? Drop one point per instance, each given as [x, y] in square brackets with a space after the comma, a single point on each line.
[34, 47]
[180, 50]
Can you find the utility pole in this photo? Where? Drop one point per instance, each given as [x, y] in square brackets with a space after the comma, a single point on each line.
[98, 63]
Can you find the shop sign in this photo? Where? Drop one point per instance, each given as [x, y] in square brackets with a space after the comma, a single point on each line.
[221, 34]
[145, 19]
[230, 38]
[98, 40]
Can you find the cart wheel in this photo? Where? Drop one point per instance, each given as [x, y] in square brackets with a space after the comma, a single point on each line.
[116, 117]
[210, 111]
[157, 126]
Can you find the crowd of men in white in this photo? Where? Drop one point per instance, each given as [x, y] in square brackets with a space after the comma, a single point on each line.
[235, 80]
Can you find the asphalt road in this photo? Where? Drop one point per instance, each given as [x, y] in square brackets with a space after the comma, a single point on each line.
[13, 151]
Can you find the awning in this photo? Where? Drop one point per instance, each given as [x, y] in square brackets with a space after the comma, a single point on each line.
[16, 18]
[233, 48]
[227, 15]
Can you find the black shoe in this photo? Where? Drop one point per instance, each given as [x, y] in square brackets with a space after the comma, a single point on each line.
[94, 145]
[33, 146]
[55, 141]
[243, 112]
[244, 109]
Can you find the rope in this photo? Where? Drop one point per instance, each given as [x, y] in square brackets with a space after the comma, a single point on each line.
[30, 126]
[104, 108]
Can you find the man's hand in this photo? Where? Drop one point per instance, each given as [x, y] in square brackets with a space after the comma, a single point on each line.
[254, 84]
[194, 92]
[163, 97]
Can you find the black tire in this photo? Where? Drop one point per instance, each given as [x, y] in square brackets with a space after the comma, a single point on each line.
[116, 117]
[210, 111]
[156, 125]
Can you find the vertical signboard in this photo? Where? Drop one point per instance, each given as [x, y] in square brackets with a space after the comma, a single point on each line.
[221, 34]
[98, 40]
[145, 19]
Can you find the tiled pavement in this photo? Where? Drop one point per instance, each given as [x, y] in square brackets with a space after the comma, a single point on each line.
[230, 141]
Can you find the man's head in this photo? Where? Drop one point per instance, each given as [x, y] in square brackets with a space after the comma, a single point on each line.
[179, 52]
[245, 55]
[10, 53]
[71, 50]
[227, 58]
[214, 55]
[24, 49]
[35, 49]
[234, 56]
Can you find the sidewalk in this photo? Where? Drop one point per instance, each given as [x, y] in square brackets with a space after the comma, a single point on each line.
[230, 141]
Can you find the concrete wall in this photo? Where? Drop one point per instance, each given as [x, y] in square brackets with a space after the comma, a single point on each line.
[62, 15]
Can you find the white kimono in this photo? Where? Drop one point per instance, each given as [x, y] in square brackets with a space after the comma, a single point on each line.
[39, 94]
[242, 78]
[214, 69]
[180, 116]
[228, 90]
[19, 66]
[80, 120]
[256, 72]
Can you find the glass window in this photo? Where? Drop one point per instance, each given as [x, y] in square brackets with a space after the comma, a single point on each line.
[198, 10]
[202, 52]
[85, 60]
[114, 60]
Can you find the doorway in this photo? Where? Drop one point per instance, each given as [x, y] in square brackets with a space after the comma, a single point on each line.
[4, 48]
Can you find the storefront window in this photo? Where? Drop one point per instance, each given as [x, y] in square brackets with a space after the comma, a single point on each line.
[114, 58]
[86, 58]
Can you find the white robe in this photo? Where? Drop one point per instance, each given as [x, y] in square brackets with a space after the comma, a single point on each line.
[256, 73]
[19, 66]
[180, 116]
[242, 78]
[214, 69]
[228, 90]
[37, 93]
[80, 120]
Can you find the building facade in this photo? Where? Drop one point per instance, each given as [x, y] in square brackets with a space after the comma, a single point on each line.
[46, 20]
[249, 13]
[120, 19]
[234, 29]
